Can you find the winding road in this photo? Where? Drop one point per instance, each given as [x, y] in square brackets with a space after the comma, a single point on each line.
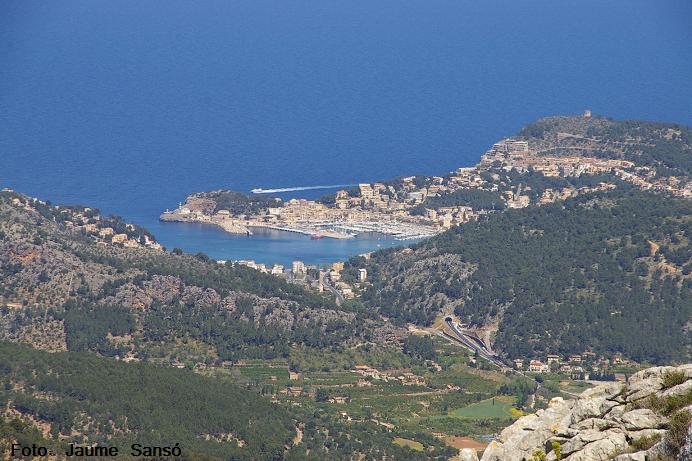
[471, 342]
[324, 280]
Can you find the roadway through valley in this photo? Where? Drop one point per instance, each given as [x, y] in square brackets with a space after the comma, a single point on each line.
[470, 341]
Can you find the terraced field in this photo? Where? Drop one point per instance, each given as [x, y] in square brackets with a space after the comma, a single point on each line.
[495, 407]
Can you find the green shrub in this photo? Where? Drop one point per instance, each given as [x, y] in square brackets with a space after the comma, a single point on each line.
[557, 449]
[538, 455]
[675, 402]
[679, 425]
[644, 443]
[670, 404]
[673, 378]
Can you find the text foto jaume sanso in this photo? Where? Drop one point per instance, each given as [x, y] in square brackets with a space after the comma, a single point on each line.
[136, 449]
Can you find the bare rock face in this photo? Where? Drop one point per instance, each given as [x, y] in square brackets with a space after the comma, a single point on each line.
[600, 425]
[200, 297]
[686, 452]
[643, 418]
[468, 454]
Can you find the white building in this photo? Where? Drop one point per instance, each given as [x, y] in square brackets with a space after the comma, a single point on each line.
[538, 367]
[298, 267]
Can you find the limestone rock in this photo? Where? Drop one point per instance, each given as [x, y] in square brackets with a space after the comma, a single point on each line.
[643, 418]
[686, 451]
[680, 389]
[468, 454]
[595, 423]
[596, 445]
[639, 456]
[601, 424]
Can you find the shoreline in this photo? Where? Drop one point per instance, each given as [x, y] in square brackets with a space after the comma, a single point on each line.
[422, 206]
[340, 230]
[325, 234]
[270, 246]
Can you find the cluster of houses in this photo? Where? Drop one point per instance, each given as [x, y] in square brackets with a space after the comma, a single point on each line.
[88, 221]
[106, 234]
[371, 208]
[344, 288]
[404, 376]
[297, 270]
[299, 273]
[575, 364]
[512, 154]
[408, 194]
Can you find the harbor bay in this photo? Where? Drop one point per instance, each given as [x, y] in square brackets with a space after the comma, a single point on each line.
[268, 246]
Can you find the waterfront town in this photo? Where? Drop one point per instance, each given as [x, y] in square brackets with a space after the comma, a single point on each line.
[416, 207]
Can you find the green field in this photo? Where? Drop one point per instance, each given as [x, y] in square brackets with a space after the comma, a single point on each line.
[497, 407]
[417, 411]
[263, 373]
[574, 387]
[412, 444]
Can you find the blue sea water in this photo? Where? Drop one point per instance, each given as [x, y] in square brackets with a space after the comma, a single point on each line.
[132, 105]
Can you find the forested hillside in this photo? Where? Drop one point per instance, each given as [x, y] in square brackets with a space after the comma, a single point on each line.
[65, 288]
[83, 398]
[611, 267]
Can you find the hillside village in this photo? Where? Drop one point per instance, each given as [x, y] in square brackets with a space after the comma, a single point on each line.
[514, 173]
[85, 221]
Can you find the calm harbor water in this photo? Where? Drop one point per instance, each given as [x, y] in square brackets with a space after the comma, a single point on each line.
[271, 246]
[130, 106]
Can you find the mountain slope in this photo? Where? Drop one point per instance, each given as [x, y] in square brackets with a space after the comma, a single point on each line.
[69, 284]
[612, 267]
[664, 147]
[91, 399]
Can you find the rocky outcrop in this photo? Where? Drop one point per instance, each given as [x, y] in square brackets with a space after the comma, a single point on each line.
[686, 451]
[605, 422]
[468, 454]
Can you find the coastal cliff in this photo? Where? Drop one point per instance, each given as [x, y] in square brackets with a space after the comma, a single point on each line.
[223, 222]
[213, 208]
[647, 418]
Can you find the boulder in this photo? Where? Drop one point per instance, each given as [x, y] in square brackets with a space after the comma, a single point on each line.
[595, 423]
[636, 435]
[680, 389]
[591, 407]
[468, 454]
[639, 456]
[643, 418]
[600, 446]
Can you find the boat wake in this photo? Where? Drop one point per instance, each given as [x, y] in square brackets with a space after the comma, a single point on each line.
[294, 189]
